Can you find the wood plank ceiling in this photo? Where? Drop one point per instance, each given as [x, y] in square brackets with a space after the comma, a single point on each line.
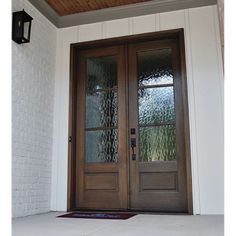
[69, 7]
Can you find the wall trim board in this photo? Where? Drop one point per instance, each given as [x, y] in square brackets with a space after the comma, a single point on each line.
[131, 10]
[192, 113]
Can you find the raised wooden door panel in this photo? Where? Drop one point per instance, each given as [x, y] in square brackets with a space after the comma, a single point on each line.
[101, 171]
[158, 171]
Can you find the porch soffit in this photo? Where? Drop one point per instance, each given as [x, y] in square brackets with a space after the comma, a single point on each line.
[113, 10]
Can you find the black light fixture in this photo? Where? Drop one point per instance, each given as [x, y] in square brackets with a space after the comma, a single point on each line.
[21, 27]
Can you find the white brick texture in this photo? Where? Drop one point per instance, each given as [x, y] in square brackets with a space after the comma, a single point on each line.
[33, 68]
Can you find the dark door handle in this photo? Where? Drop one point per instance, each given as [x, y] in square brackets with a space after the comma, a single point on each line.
[133, 142]
[133, 145]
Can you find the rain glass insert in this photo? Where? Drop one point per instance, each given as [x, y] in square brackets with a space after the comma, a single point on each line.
[157, 143]
[155, 67]
[101, 124]
[157, 133]
[156, 105]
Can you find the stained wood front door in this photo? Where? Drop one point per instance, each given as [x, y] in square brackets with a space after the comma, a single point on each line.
[101, 168]
[130, 150]
[156, 119]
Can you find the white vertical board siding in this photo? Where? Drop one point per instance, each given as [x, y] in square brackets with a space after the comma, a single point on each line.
[90, 32]
[116, 28]
[144, 24]
[208, 94]
[172, 20]
[204, 77]
[60, 129]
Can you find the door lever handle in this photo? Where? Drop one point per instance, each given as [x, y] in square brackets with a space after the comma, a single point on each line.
[133, 142]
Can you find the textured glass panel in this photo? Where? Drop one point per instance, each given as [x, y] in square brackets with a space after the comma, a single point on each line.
[101, 146]
[157, 143]
[101, 73]
[101, 109]
[156, 105]
[155, 67]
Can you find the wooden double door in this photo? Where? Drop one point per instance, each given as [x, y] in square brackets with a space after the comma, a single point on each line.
[129, 132]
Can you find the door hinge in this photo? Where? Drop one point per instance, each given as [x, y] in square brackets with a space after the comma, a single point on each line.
[70, 139]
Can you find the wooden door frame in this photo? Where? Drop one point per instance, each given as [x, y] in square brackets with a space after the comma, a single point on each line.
[74, 51]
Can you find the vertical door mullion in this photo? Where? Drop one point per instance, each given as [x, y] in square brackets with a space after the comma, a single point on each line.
[122, 114]
[133, 123]
[80, 129]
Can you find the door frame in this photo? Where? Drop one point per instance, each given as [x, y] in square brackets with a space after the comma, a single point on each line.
[74, 51]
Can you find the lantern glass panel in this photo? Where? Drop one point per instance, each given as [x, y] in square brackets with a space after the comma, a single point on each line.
[26, 30]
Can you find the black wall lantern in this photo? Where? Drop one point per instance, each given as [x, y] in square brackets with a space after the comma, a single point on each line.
[21, 27]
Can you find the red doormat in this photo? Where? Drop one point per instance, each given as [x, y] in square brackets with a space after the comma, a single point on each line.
[99, 215]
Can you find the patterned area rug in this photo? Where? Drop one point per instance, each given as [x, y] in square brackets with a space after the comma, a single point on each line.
[98, 215]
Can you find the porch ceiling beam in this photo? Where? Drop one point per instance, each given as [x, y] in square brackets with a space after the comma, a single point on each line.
[138, 9]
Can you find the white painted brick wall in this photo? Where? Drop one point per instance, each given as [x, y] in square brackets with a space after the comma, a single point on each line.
[33, 68]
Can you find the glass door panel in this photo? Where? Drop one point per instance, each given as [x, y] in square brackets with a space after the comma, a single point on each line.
[154, 67]
[157, 143]
[156, 105]
[101, 146]
[101, 139]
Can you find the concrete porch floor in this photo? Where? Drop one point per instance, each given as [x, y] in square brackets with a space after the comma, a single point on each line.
[142, 224]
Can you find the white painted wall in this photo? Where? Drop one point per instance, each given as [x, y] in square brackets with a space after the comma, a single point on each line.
[33, 67]
[205, 94]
